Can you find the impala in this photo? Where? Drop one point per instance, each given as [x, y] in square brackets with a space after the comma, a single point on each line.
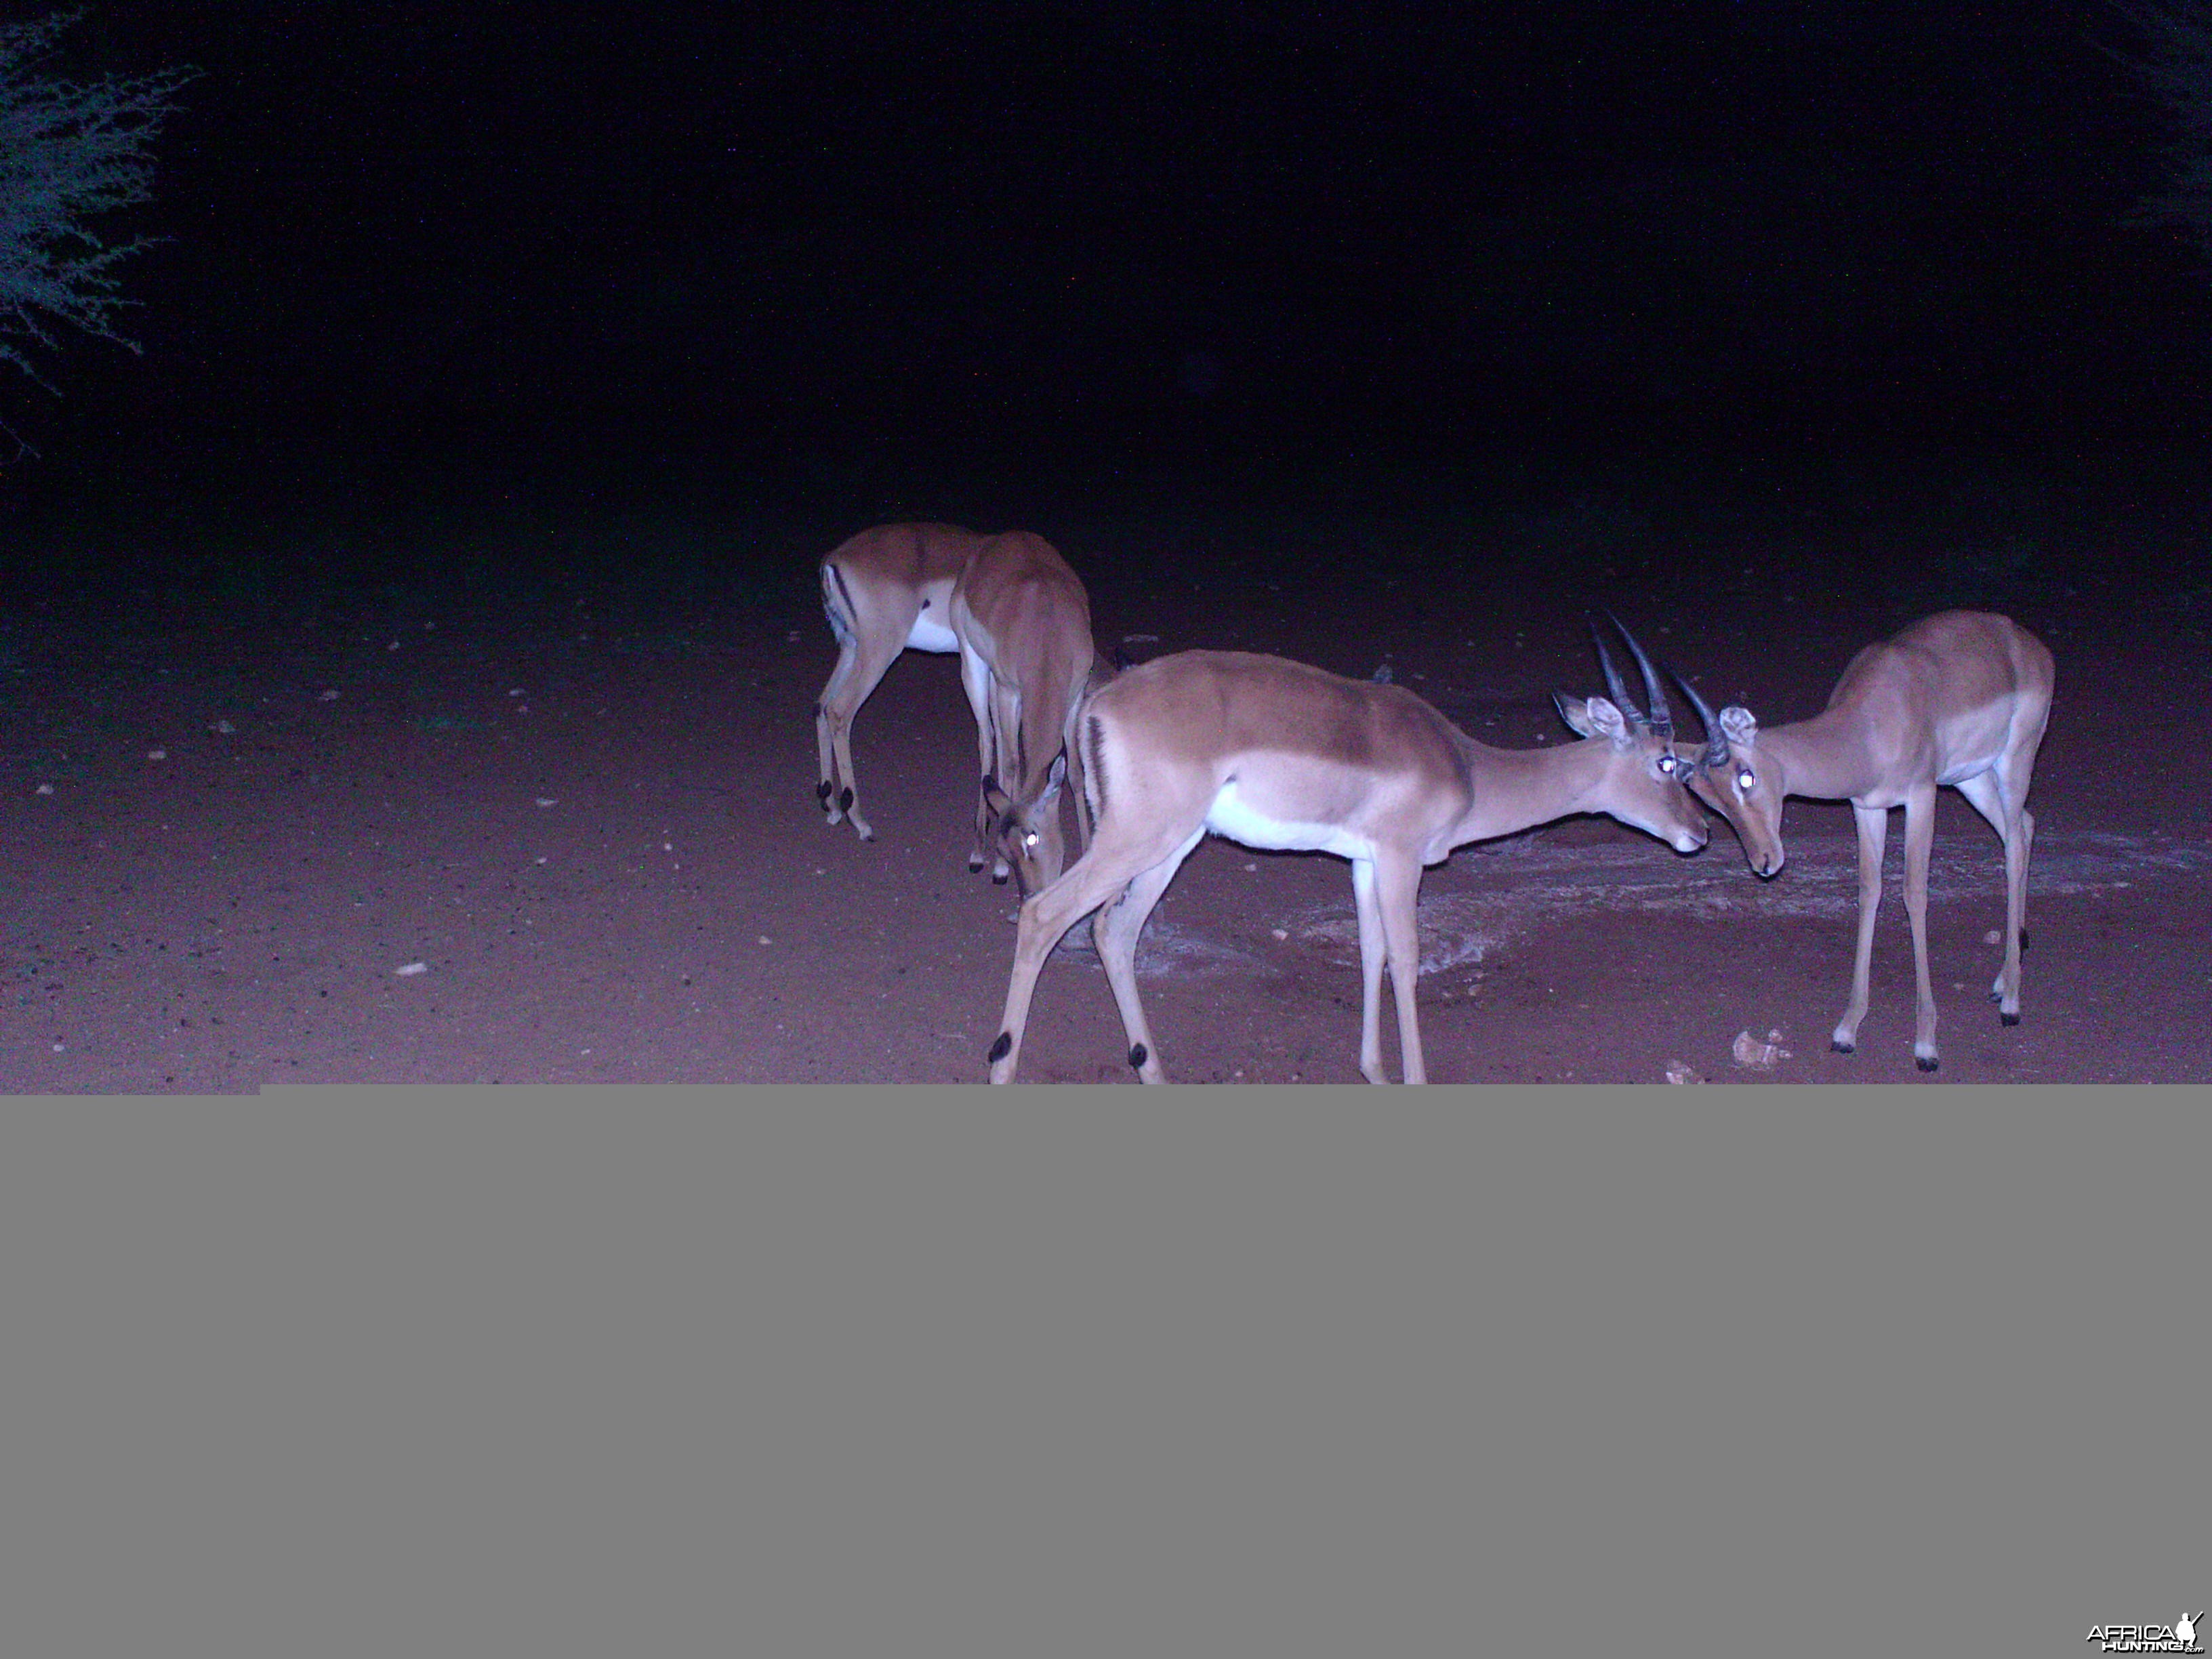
[1019, 618]
[1960, 699]
[885, 590]
[1279, 756]
[1027, 660]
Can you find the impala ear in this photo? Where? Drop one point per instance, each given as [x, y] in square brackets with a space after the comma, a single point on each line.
[1052, 779]
[1594, 719]
[1739, 727]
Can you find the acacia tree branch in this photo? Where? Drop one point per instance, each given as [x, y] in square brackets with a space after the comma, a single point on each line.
[70, 153]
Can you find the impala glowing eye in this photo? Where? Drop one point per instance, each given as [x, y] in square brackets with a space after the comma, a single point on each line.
[1744, 779]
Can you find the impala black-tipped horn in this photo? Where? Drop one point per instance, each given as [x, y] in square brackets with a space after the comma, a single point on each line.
[1661, 721]
[1717, 747]
[1621, 697]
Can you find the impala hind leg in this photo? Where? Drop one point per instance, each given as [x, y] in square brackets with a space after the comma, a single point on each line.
[2016, 826]
[860, 669]
[1116, 932]
[1874, 837]
[2018, 885]
[1919, 841]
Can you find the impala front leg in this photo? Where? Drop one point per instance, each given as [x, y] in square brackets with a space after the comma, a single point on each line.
[1873, 838]
[1398, 886]
[975, 681]
[1033, 943]
[1005, 771]
[1372, 950]
[1044, 918]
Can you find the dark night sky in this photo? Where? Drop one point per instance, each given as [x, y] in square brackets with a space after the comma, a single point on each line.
[556, 247]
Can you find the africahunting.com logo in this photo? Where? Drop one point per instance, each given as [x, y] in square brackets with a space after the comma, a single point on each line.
[2179, 1637]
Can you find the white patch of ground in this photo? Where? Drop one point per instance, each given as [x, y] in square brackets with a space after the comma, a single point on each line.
[1472, 906]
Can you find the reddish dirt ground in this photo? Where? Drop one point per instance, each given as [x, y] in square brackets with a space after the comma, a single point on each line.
[583, 803]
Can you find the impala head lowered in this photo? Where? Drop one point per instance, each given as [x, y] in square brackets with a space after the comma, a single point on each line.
[1742, 786]
[1674, 816]
[1958, 700]
[1284, 757]
[1020, 833]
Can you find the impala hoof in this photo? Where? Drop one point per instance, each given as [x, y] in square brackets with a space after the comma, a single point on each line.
[975, 865]
[1924, 1063]
[1842, 1046]
[2009, 1019]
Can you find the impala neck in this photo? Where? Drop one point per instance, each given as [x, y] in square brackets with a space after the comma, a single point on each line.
[1518, 789]
[1824, 759]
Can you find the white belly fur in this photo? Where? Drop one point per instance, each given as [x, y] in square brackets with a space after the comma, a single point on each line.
[1231, 815]
[928, 634]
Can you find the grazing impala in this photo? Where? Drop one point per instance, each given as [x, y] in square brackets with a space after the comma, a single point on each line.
[885, 590]
[1019, 619]
[1277, 754]
[1026, 658]
[1959, 699]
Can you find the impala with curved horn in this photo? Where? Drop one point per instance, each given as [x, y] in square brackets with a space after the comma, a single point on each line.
[1958, 699]
[1277, 754]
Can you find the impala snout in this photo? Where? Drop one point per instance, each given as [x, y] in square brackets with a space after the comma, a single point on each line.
[1762, 853]
[1030, 877]
[1762, 847]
